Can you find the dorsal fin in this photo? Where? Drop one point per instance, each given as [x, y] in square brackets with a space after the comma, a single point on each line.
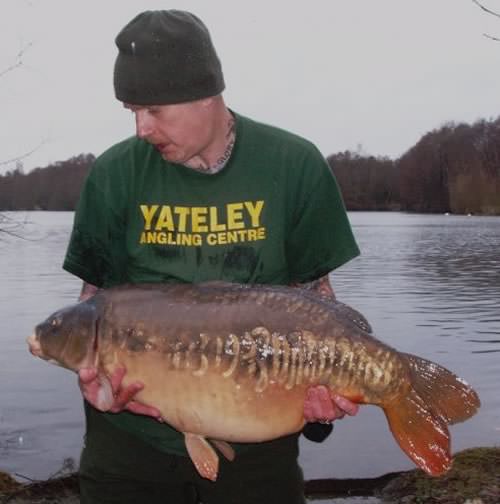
[342, 309]
[354, 316]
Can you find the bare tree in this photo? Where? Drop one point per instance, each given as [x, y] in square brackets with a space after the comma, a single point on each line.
[7, 224]
[489, 11]
[19, 158]
[18, 60]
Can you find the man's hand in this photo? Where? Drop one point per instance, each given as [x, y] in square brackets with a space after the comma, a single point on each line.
[323, 407]
[123, 397]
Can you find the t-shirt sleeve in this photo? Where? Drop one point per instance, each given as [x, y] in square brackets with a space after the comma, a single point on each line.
[321, 238]
[96, 248]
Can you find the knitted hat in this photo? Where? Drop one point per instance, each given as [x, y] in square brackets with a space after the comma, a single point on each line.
[166, 57]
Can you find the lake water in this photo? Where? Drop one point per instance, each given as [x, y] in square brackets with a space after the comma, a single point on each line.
[428, 284]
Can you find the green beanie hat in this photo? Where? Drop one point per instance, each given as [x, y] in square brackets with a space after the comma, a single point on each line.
[166, 57]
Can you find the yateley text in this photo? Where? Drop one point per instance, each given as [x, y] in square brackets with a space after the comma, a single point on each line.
[194, 226]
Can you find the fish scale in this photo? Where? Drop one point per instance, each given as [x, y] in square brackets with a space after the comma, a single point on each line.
[291, 359]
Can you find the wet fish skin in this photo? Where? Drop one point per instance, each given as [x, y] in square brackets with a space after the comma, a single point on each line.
[232, 362]
[67, 336]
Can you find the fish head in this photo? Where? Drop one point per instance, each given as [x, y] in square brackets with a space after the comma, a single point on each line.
[68, 337]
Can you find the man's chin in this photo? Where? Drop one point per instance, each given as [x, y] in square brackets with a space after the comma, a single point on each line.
[171, 158]
[172, 155]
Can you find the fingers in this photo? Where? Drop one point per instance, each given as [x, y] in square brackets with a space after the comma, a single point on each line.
[90, 385]
[322, 406]
[124, 395]
[318, 405]
[143, 409]
[116, 378]
[87, 375]
[346, 406]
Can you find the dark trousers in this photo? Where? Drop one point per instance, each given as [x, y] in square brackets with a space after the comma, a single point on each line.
[116, 467]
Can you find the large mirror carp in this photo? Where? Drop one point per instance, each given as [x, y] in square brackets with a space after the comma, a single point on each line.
[232, 363]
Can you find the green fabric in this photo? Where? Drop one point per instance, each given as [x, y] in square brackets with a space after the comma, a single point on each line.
[276, 198]
[166, 57]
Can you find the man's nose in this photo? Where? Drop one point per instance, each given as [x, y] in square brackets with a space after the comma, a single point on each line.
[142, 124]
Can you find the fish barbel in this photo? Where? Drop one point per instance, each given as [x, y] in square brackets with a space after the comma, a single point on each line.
[232, 363]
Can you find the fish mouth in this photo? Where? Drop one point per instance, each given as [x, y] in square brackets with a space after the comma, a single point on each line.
[34, 345]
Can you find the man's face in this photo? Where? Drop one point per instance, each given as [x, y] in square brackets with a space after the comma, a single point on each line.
[179, 132]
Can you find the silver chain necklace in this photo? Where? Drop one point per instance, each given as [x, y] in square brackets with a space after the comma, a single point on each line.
[224, 158]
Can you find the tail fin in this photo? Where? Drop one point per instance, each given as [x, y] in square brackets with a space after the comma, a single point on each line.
[419, 419]
[423, 436]
[444, 393]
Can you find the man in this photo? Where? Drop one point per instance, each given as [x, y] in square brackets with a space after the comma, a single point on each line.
[201, 193]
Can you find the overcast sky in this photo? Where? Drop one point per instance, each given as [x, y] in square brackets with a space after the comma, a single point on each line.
[343, 73]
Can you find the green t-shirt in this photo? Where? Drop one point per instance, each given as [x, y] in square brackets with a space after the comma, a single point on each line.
[273, 215]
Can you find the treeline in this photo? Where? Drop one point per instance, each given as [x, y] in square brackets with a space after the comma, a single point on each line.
[55, 187]
[455, 168]
[367, 182]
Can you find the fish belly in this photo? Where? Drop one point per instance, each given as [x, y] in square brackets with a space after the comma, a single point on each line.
[213, 404]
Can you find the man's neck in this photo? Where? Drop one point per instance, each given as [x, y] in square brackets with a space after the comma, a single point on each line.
[214, 158]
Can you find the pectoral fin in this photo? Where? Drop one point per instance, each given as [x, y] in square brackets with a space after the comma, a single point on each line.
[105, 398]
[203, 456]
[225, 448]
